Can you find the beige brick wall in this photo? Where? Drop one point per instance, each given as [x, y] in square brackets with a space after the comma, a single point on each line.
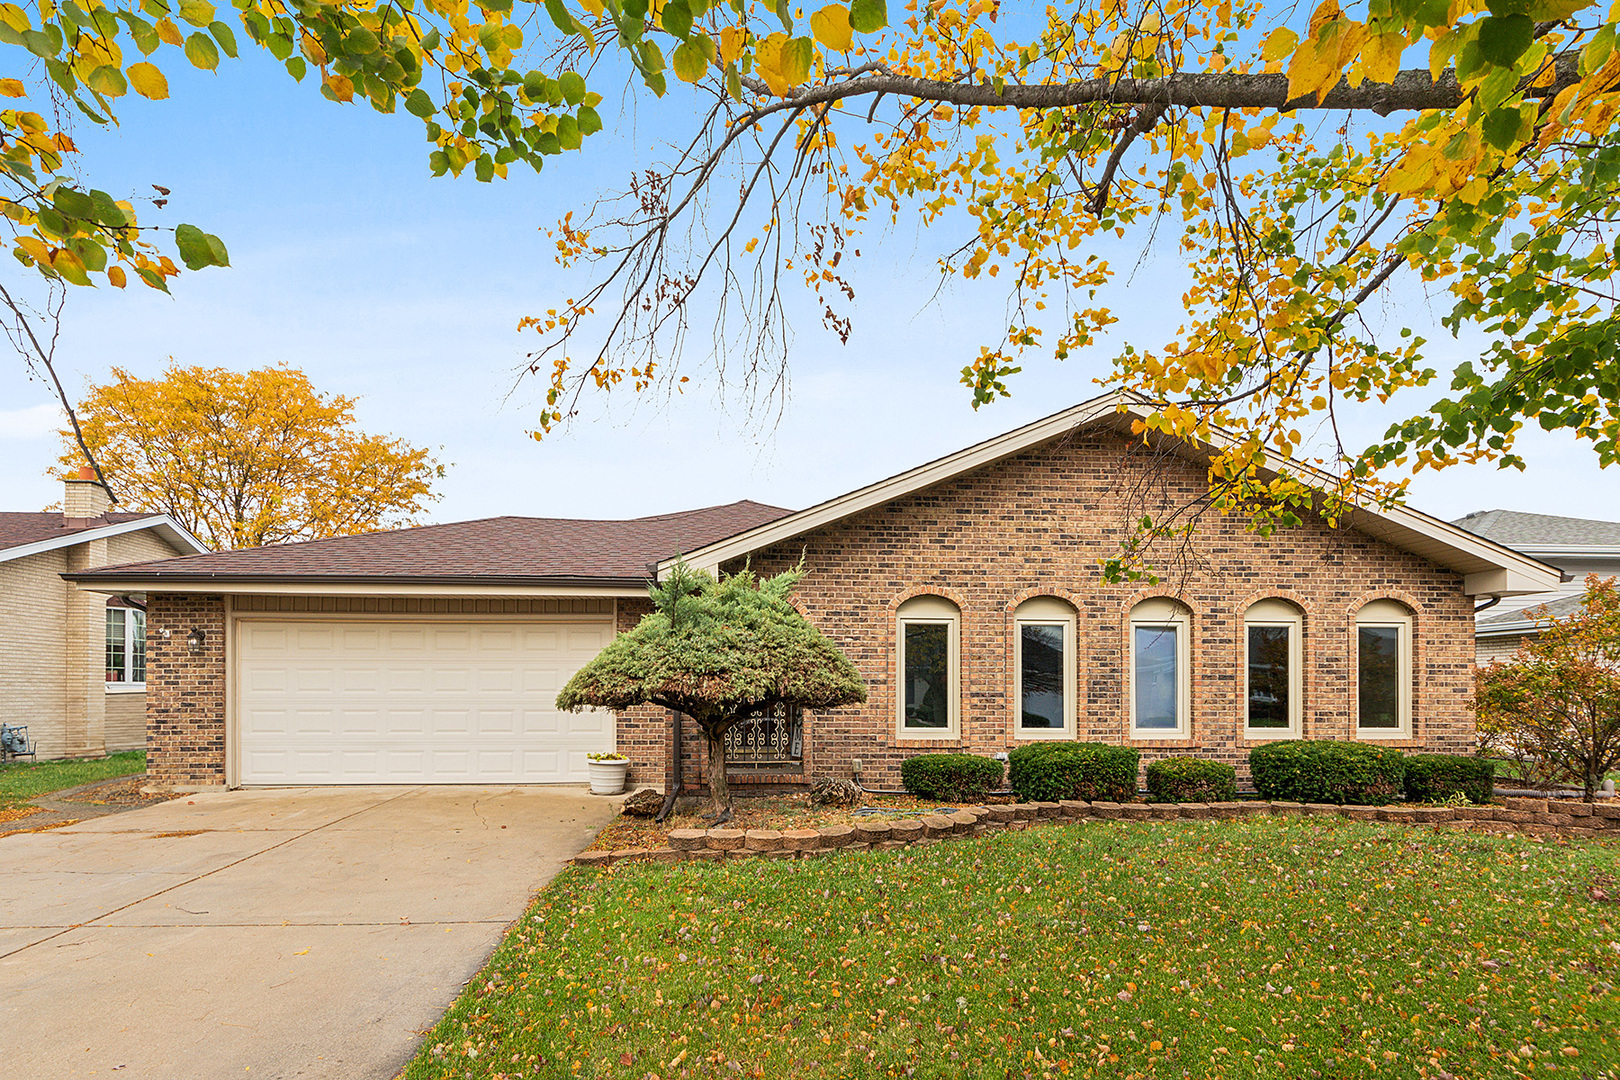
[53, 650]
[33, 648]
[1038, 524]
[1490, 650]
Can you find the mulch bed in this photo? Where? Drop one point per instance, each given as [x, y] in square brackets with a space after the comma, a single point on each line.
[770, 812]
[124, 793]
[59, 808]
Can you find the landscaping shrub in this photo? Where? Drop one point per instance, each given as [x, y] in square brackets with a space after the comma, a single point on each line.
[1437, 777]
[1049, 771]
[951, 777]
[1186, 779]
[1323, 771]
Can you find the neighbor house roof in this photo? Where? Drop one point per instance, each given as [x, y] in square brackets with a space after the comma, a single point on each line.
[505, 551]
[1488, 567]
[1543, 534]
[1531, 618]
[24, 534]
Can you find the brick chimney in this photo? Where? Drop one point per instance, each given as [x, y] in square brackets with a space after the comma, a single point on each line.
[85, 501]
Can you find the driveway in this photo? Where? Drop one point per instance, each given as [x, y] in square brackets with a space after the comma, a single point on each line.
[311, 932]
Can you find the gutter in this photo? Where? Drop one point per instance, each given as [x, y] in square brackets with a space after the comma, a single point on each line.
[155, 581]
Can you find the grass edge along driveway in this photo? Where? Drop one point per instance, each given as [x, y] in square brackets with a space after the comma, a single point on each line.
[1261, 947]
[23, 781]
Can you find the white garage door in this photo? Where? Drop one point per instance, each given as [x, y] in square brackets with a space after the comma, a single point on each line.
[414, 702]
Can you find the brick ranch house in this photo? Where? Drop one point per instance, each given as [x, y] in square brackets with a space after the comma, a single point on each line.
[967, 591]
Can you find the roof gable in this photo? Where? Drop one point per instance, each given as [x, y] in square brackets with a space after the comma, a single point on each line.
[24, 534]
[1488, 567]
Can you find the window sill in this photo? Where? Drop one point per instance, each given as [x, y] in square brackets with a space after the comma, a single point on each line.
[1380, 735]
[930, 736]
[1045, 735]
[125, 688]
[1263, 735]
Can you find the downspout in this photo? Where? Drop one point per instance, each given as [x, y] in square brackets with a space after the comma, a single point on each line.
[675, 782]
[1487, 605]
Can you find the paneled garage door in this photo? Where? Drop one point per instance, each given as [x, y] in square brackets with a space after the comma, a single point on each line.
[341, 702]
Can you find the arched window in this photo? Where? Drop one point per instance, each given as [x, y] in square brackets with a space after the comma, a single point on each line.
[929, 630]
[1383, 670]
[1274, 682]
[1161, 670]
[1043, 669]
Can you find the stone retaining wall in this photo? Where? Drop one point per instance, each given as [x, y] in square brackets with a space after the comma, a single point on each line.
[1531, 816]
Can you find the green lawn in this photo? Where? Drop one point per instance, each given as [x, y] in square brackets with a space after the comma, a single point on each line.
[1283, 947]
[23, 781]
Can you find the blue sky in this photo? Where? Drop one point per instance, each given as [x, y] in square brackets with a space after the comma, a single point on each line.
[351, 262]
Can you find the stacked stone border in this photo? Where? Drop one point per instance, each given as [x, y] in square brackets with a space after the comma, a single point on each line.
[1536, 817]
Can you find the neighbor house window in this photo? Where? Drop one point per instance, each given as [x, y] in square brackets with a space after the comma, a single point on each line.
[1273, 669]
[126, 645]
[929, 631]
[1383, 670]
[1043, 668]
[1161, 682]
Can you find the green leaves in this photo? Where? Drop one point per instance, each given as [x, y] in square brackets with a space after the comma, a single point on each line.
[573, 87]
[201, 52]
[1505, 127]
[1504, 38]
[676, 18]
[107, 81]
[417, 103]
[868, 16]
[199, 249]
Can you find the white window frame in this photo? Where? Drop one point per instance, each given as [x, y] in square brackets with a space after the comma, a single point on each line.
[1393, 615]
[929, 610]
[1044, 611]
[130, 637]
[1273, 613]
[1164, 614]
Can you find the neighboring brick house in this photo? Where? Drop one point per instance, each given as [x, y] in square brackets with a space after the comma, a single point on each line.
[72, 662]
[1577, 546]
[968, 592]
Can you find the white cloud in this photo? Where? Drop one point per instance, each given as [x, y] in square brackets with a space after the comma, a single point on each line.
[34, 422]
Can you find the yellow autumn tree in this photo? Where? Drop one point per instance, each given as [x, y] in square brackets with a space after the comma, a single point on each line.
[249, 458]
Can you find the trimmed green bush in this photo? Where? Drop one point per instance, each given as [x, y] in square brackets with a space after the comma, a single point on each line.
[951, 777]
[1324, 771]
[1437, 777]
[1187, 779]
[1049, 771]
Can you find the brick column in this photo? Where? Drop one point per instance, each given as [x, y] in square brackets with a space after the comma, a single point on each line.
[185, 691]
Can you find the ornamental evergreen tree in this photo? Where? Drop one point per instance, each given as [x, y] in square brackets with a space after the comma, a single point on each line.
[719, 651]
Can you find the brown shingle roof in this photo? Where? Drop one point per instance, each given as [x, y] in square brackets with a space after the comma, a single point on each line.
[17, 529]
[502, 549]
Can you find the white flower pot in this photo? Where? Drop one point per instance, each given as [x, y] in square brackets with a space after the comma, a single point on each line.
[607, 777]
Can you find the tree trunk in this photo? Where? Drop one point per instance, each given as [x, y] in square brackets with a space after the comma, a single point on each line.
[677, 780]
[719, 793]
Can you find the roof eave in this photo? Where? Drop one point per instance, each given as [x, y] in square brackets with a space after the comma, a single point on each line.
[361, 584]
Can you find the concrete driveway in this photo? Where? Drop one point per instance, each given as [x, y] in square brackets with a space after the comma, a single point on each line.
[310, 932]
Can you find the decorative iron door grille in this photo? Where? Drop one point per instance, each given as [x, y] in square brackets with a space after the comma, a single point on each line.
[777, 739]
